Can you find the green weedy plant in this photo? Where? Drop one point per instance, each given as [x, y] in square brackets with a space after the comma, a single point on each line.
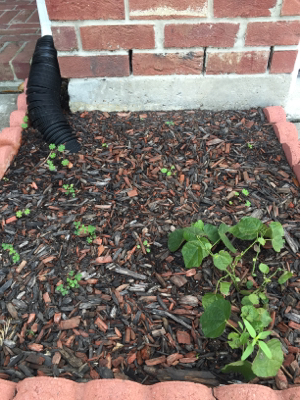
[200, 239]
[168, 172]
[250, 146]
[53, 155]
[72, 282]
[25, 125]
[82, 229]
[20, 213]
[69, 190]
[104, 145]
[14, 254]
[169, 123]
[147, 246]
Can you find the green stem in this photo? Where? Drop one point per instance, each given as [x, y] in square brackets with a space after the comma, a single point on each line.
[228, 323]
[222, 278]
[255, 260]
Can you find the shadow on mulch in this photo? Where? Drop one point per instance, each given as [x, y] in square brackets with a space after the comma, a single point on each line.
[136, 313]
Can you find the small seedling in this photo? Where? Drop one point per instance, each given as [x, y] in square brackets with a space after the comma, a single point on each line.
[104, 145]
[82, 229]
[69, 190]
[53, 155]
[168, 172]
[245, 192]
[25, 125]
[250, 146]
[20, 213]
[169, 123]
[72, 282]
[5, 179]
[230, 203]
[248, 203]
[14, 254]
[147, 246]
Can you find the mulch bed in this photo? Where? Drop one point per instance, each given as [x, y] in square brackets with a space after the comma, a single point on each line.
[136, 314]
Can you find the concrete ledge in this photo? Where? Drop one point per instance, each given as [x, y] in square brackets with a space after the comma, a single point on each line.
[179, 92]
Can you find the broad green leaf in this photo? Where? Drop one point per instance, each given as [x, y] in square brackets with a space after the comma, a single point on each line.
[244, 338]
[192, 254]
[262, 321]
[247, 229]
[284, 277]
[164, 170]
[276, 232]
[222, 230]
[249, 312]
[277, 243]
[249, 284]
[209, 298]
[265, 349]
[261, 240]
[264, 268]
[263, 297]
[243, 367]
[250, 328]
[175, 239]
[248, 351]
[234, 340]
[264, 334]
[254, 299]
[199, 224]
[190, 233]
[222, 260]
[213, 320]
[240, 325]
[265, 367]
[225, 287]
[206, 246]
[212, 232]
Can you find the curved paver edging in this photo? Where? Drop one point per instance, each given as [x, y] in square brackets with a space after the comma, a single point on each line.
[45, 388]
[287, 135]
[48, 388]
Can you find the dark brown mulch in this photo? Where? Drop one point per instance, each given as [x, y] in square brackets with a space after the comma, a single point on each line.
[136, 314]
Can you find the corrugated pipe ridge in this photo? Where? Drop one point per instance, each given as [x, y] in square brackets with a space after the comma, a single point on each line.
[43, 96]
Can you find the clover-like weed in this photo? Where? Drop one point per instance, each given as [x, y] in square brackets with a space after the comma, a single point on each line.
[146, 245]
[14, 254]
[53, 155]
[20, 213]
[69, 190]
[72, 282]
[81, 229]
[168, 172]
[25, 125]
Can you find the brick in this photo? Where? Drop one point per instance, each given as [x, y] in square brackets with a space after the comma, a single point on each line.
[18, 38]
[22, 16]
[8, 388]
[197, 35]
[273, 33]
[7, 154]
[286, 132]
[92, 9]
[21, 102]
[18, 31]
[296, 170]
[34, 18]
[292, 152]
[290, 7]
[16, 118]
[11, 137]
[242, 8]
[94, 66]
[253, 62]
[275, 114]
[283, 62]
[7, 54]
[166, 64]
[7, 16]
[21, 63]
[64, 38]
[116, 37]
[166, 9]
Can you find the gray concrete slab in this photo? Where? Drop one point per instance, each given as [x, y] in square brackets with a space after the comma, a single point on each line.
[8, 103]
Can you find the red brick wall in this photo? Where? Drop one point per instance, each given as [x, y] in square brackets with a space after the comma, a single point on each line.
[115, 38]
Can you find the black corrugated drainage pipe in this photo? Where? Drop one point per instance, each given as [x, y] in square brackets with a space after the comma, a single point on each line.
[43, 96]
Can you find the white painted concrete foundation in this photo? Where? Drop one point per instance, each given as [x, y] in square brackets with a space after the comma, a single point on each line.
[179, 92]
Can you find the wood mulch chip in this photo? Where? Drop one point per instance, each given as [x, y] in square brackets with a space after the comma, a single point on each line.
[136, 313]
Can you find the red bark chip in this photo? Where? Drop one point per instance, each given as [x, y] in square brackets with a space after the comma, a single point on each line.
[132, 193]
[183, 337]
[167, 64]
[173, 357]
[281, 380]
[296, 170]
[156, 361]
[275, 114]
[74, 10]
[166, 9]
[283, 62]
[253, 62]
[94, 66]
[294, 325]
[46, 298]
[273, 33]
[197, 35]
[35, 347]
[290, 7]
[13, 218]
[70, 323]
[64, 38]
[242, 8]
[116, 37]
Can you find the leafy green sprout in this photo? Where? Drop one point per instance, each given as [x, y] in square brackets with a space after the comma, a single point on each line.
[250, 146]
[168, 172]
[169, 123]
[25, 125]
[245, 192]
[72, 282]
[5, 179]
[82, 229]
[104, 145]
[147, 246]
[248, 203]
[20, 213]
[69, 189]
[14, 254]
[53, 155]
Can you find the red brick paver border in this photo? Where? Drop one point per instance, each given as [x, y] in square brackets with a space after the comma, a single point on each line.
[287, 134]
[45, 388]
